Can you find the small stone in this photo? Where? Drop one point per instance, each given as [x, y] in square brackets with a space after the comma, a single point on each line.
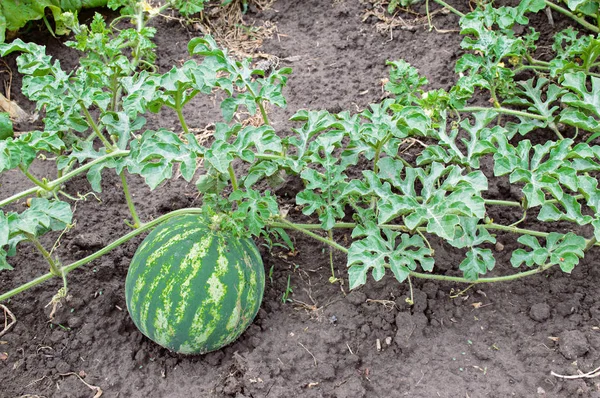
[388, 340]
[327, 371]
[141, 357]
[88, 241]
[57, 336]
[539, 312]
[499, 246]
[74, 321]
[62, 367]
[214, 358]
[356, 298]
[573, 344]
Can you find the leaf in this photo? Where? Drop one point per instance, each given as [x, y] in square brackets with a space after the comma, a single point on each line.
[478, 262]
[583, 106]
[469, 233]
[254, 209]
[6, 127]
[405, 81]
[156, 153]
[41, 217]
[564, 250]
[465, 152]
[446, 194]
[549, 169]
[531, 96]
[377, 251]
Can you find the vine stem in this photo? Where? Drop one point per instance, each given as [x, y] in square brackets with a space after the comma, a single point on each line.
[449, 7]
[68, 268]
[349, 225]
[33, 179]
[531, 67]
[283, 223]
[301, 228]
[569, 14]
[66, 177]
[492, 202]
[179, 111]
[495, 279]
[47, 256]
[522, 231]
[129, 199]
[503, 110]
[94, 126]
[263, 112]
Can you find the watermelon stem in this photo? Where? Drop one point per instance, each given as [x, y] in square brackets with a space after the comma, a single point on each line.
[136, 220]
[66, 177]
[234, 182]
[64, 270]
[305, 231]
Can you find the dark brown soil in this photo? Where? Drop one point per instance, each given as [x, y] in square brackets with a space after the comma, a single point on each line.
[491, 341]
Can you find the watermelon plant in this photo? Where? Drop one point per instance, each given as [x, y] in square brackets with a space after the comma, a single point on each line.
[356, 174]
[15, 14]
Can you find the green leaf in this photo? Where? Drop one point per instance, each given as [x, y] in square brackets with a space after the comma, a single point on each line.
[564, 250]
[6, 127]
[463, 151]
[377, 251]
[155, 154]
[405, 82]
[42, 216]
[532, 96]
[445, 195]
[583, 109]
[478, 262]
[254, 209]
[470, 233]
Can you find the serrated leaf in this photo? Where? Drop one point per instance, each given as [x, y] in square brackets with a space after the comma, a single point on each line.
[564, 250]
[470, 233]
[155, 154]
[254, 209]
[478, 262]
[445, 195]
[376, 251]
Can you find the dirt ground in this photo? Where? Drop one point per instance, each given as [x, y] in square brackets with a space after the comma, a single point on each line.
[491, 341]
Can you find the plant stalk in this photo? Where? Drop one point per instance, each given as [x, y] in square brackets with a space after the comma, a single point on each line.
[574, 17]
[503, 110]
[94, 127]
[33, 179]
[449, 7]
[66, 177]
[414, 274]
[136, 220]
[297, 227]
[178, 109]
[68, 268]
[47, 256]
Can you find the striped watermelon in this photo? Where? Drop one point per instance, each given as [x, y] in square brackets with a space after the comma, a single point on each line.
[192, 288]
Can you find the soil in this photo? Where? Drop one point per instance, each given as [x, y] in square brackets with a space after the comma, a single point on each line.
[498, 340]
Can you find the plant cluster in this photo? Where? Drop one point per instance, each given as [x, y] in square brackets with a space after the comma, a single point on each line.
[94, 123]
[15, 14]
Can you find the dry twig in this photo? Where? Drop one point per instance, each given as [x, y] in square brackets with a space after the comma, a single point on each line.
[96, 389]
[588, 375]
[13, 320]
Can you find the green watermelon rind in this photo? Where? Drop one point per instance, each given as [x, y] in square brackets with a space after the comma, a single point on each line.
[192, 289]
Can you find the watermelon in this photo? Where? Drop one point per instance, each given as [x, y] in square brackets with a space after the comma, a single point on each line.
[192, 287]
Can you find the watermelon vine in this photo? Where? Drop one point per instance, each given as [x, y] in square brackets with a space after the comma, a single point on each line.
[394, 206]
